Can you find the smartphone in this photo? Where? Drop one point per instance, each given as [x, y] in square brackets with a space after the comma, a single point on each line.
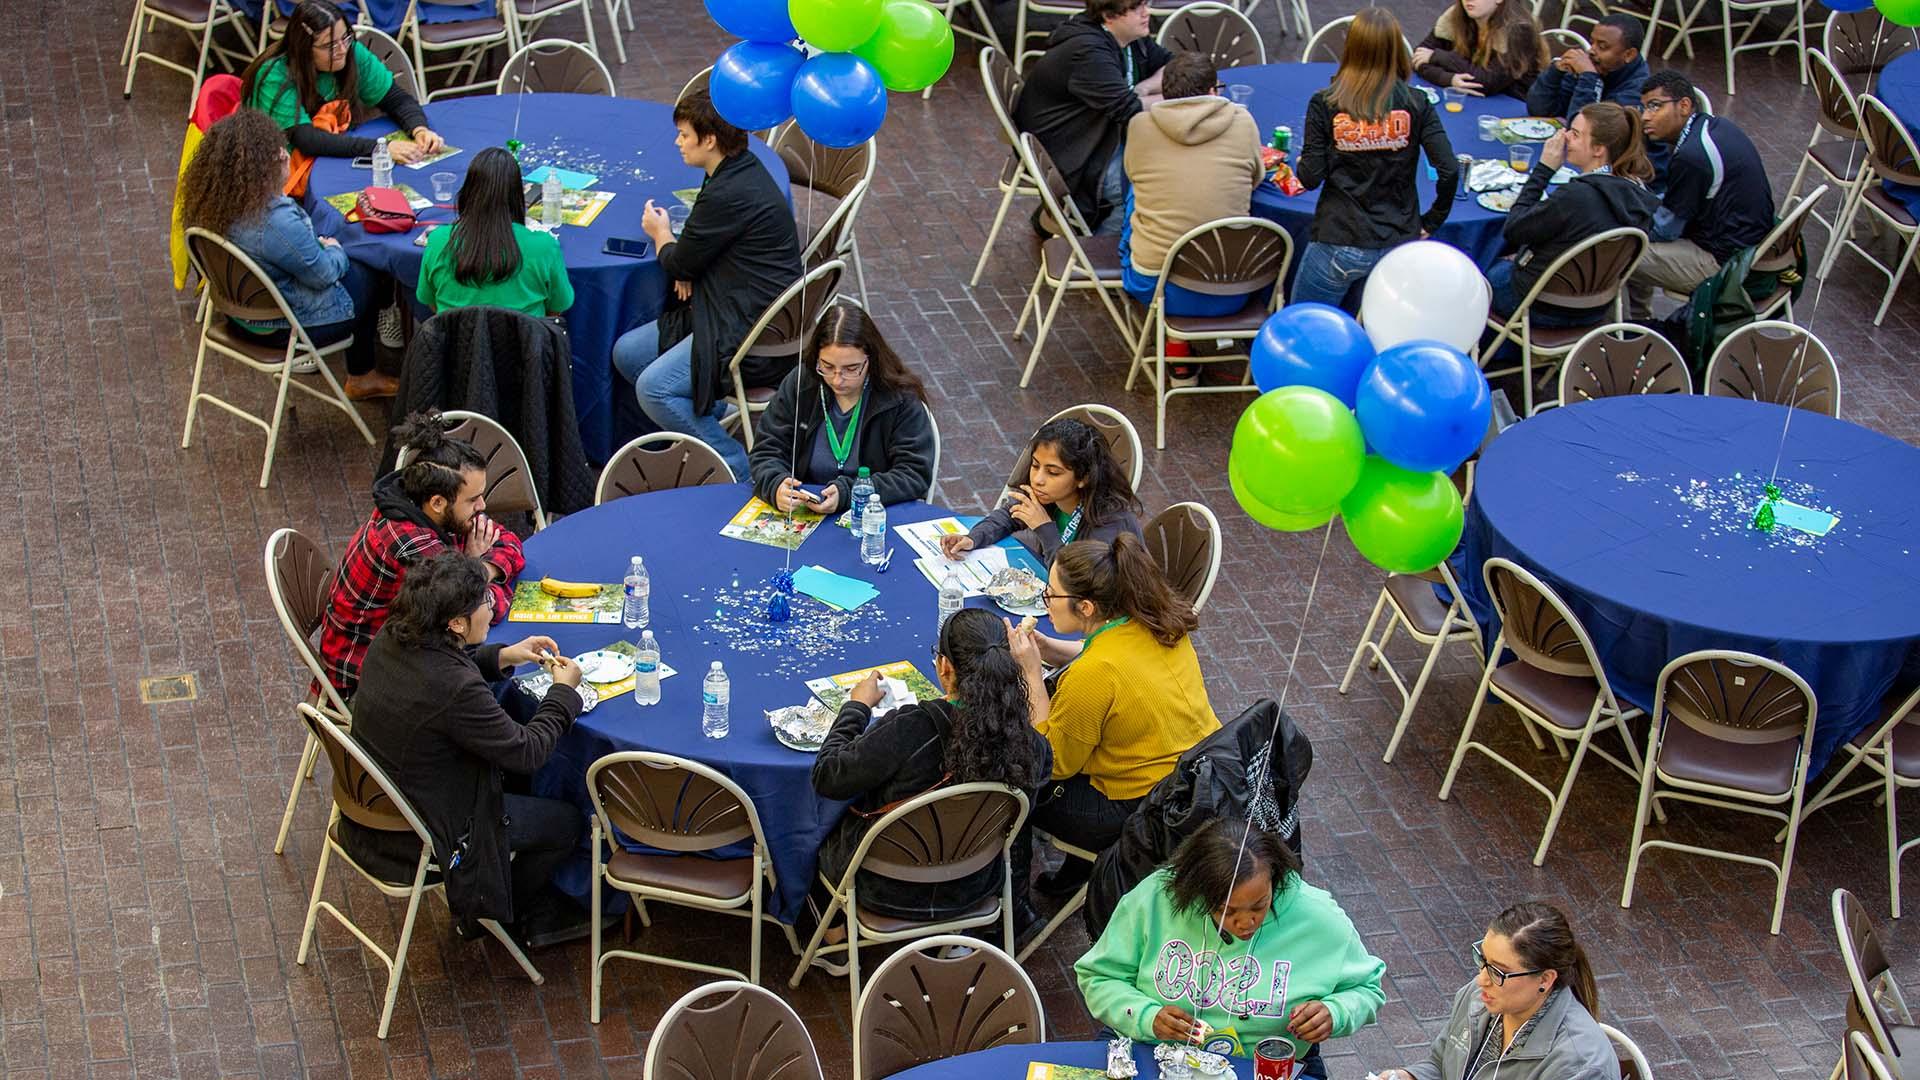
[632, 249]
[363, 163]
[813, 495]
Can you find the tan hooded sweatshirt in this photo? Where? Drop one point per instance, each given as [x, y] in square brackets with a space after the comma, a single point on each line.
[1191, 161]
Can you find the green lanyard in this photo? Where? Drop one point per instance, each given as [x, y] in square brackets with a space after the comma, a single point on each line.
[1069, 524]
[841, 446]
[1111, 623]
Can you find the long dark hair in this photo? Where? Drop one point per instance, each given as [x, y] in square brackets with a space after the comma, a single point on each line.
[1617, 128]
[444, 587]
[1544, 941]
[1084, 451]
[847, 323]
[492, 201]
[234, 174]
[992, 728]
[1373, 62]
[439, 461]
[309, 20]
[1512, 43]
[1120, 578]
[1209, 864]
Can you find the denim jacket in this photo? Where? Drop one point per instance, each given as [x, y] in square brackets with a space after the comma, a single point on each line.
[306, 272]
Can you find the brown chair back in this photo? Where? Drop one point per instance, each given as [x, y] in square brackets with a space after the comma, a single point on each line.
[1590, 274]
[1863, 42]
[1777, 362]
[744, 1033]
[1121, 439]
[1780, 250]
[1329, 43]
[299, 577]
[793, 314]
[1620, 359]
[363, 794]
[1185, 540]
[1890, 149]
[660, 462]
[1535, 622]
[923, 1006]
[509, 477]
[1875, 1003]
[1839, 113]
[1230, 256]
[701, 80]
[1003, 85]
[668, 803]
[1736, 697]
[236, 287]
[823, 168]
[943, 835]
[555, 66]
[1216, 31]
[1056, 197]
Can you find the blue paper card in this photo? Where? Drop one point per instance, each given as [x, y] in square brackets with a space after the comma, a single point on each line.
[830, 588]
[572, 181]
[1804, 518]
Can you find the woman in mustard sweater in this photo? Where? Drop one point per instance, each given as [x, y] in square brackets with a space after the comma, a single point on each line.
[1129, 705]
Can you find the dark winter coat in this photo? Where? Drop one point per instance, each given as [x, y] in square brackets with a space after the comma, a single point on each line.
[1077, 100]
[895, 441]
[1542, 227]
[1371, 168]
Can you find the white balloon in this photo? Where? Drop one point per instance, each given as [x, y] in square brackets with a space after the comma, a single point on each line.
[1425, 289]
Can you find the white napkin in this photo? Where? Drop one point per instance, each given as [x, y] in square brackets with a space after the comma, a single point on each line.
[1493, 176]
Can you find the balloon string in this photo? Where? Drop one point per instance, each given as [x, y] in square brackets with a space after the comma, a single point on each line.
[804, 331]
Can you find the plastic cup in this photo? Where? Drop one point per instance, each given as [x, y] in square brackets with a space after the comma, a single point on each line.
[677, 218]
[1240, 93]
[1456, 99]
[1520, 156]
[443, 186]
[1489, 129]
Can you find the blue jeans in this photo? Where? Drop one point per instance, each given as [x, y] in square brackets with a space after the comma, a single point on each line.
[1113, 192]
[663, 381]
[1329, 271]
[1180, 301]
[1507, 297]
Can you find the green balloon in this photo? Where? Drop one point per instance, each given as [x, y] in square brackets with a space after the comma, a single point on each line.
[1902, 12]
[912, 48]
[1402, 521]
[1266, 515]
[1299, 449]
[834, 25]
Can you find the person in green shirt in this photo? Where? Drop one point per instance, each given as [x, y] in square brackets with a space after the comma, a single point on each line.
[318, 63]
[489, 256]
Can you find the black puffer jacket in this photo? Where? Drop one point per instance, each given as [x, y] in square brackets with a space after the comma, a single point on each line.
[895, 442]
[1543, 226]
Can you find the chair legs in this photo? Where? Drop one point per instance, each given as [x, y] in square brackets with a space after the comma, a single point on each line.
[993, 231]
[613, 24]
[308, 758]
[1409, 698]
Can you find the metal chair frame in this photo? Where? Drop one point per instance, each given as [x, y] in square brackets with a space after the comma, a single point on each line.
[1517, 327]
[1211, 524]
[653, 1069]
[1875, 754]
[1078, 273]
[1787, 231]
[390, 52]
[1878, 168]
[1014, 178]
[328, 701]
[667, 441]
[219, 13]
[979, 1013]
[1318, 38]
[1821, 359]
[526, 58]
[789, 137]
[1630, 333]
[526, 26]
[747, 407]
[470, 50]
[1629, 1052]
[1831, 87]
[1072, 904]
[1215, 10]
[1457, 625]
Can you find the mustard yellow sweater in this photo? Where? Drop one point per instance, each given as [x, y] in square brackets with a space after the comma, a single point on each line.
[1126, 710]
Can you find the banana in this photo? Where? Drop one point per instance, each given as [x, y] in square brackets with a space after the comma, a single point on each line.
[556, 587]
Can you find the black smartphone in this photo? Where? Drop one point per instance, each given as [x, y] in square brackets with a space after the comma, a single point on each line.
[814, 496]
[632, 249]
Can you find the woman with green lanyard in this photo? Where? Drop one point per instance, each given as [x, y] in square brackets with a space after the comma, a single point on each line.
[1129, 705]
[1075, 490]
[850, 405]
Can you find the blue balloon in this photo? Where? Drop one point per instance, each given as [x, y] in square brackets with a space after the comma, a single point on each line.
[839, 100]
[1848, 5]
[752, 84]
[755, 20]
[1314, 345]
[1424, 406]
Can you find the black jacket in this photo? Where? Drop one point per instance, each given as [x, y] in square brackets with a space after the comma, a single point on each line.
[1452, 58]
[1543, 229]
[428, 718]
[739, 249]
[1044, 541]
[1076, 100]
[1717, 192]
[512, 367]
[895, 440]
[1560, 94]
[1371, 171]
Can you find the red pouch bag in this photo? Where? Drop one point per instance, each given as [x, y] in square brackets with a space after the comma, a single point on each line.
[382, 210]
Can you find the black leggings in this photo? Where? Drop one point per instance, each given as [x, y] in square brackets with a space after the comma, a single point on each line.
[1075, 811]
[542, 834]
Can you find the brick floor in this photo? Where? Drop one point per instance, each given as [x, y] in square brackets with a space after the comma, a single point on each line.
[147, 929]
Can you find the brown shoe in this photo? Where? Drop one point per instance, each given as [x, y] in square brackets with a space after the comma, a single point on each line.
[373, 384]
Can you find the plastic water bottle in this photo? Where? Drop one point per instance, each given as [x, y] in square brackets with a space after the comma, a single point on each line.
[714, 692]
[862, 491]
[382, 165]
[646, 670]
[550, 200]
[953, 597]
[873, 531]
[634, 611]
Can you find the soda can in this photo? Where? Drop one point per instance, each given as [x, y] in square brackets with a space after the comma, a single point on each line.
[1283, 138]
[1273, 1059]
[1465, 162]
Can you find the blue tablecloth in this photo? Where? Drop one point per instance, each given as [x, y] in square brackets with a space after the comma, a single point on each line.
[1898, 86]
[696, 622]
[1010, 1062]
[1637, 511]
[1280, 95]
[615, 139]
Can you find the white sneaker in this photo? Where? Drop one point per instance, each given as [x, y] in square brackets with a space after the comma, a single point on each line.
[390, 334]
[838, 971]
[1180, 376]
[305, 364]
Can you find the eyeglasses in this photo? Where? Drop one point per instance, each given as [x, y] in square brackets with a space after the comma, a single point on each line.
[835, 374]
[1650, 106]
[1499, 977]
[339, 44]
[1048, 596]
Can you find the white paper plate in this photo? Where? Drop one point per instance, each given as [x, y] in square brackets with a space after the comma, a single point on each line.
[1526, 127]
[604, 666]
[1498, 201]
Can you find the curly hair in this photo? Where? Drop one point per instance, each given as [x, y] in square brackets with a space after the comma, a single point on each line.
[234, 174]
[992, 732]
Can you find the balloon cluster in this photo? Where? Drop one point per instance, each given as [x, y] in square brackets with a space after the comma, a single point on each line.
[865, 48]
[1367, 424]
[1901, 12]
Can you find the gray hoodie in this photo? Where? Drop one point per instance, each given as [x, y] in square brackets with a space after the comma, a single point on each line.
[1566, 1044]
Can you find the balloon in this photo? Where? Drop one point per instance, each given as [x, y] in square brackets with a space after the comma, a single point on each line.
[752, 84]
[1267, 515]
[835, 25]
[1426, 289]
[755, 20]
[1298, 449]
[1903, 12]
[1402, 521]
[1848, 5]
[1424, 406]
[1311, 345]
[839, 100]
[913, 46]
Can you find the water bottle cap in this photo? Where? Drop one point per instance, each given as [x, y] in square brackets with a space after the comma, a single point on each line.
[864, 471]
[873, 502]
[716, 666]
[636, 560]
[646, 635]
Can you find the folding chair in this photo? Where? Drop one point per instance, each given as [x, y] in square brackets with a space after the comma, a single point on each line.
[939, 998]
[1589, 276]
[1215, 30]
[1633, 1060]
[195, 17]
[842, 175]
[1863, 42]
[1777, 362]
[392, 54]
[1891, 155]
[1413, 605]
[1619, 359]
[509, 487]
[693, 1042]
[1877, 1012]
[1779, 253]
[659, 462]
[1890, 747]
[1184, 539]
[527, 16]
[1072, 258]
[299, 580]
[469, 38]
[555, 66]
[1003, 88]
[1841, 159]
[1118, 431]
[780, 333]
[986, 35]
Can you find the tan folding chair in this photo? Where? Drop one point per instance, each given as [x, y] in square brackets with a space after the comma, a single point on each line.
[1555, 683]
[555, 66]
[660, 462]
[527, 16]
[390, 53]
[1071, 258]
[781, 333]
[674, 805]
[1003, 88]
[1841, 159]
[1330, 42]
[1779, 254]
[933, 469]
[1184, 539]
[1216, 31]
[1589, 276]
[1228, 257]
[693, 1042]
[943, 835]
[364, 794]
[1617, 360]
[842, 175]
[1651, 21]
[1877, 1012]
[509, 487]
[702, 80]
[238, 289]
[1889, 748]
[299, 580]
[1409, 602]
[1863, 42]
[939, 998]
[197, 17]
[986, 35]
[1891, 155]
[468, 39]
[1873, 1064]
[1028, 8]
[1113, 426]
[1731, 12]
[1633, 1060]
[1777, 362]
[1072, 904]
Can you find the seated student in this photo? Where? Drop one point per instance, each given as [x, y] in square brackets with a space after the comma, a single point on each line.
[1079, 97]
[981, 731]
[1605, 144]
[1717, 200]
[318, 67]
[426, 716]
[1231, 900]
[1484, 47]
[1129, 705]
[737, 251]
[1613, 70]
[1532, 1000]
[488, 255]
[851, 404]
[1075, 490]
[234, 187]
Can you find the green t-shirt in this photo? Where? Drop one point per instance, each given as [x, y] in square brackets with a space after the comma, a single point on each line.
[275, 95]
[540, 285]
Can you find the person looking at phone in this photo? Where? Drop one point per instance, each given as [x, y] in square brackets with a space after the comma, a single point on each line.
[489, 256]
[1075, 490]
[318, 67]
[851, 404]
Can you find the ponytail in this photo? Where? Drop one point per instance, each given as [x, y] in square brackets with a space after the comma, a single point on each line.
[439, 461]
[1543, 939]
[1121, 579]
[992, 731]
[1616, 128]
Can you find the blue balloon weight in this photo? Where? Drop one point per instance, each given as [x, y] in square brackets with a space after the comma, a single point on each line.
[752, 84]
[839, 100]
[1424, 406]
[1314, 345]
[755, 20]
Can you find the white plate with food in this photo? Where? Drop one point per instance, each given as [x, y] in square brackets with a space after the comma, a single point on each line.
[1527, 127]
[604, 666]
[801, 727]
[1433, 96]
[1498, 201]
[1018, 591]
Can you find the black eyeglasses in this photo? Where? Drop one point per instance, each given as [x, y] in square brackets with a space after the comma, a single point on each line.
[1049, 596]
[1649, 106]
[1499, 977]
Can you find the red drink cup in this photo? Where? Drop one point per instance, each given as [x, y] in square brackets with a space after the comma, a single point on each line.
[1273, 1059]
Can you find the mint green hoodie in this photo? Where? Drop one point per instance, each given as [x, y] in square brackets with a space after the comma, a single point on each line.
[1306, 950]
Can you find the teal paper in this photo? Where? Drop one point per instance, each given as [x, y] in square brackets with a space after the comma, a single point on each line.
[1804, 518]
[572, 181]
[831, 588]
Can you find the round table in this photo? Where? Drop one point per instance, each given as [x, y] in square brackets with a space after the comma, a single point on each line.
[1898, 87]
[1010, 1062]
[698, 617]
[628, 145]
[1637, 511]
[1280, 95]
